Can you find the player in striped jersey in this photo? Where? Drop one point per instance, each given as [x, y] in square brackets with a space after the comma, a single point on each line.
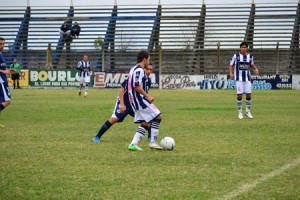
[122, 106]
[84, 67]
[145, 112]
[4, 89]
[239, 70]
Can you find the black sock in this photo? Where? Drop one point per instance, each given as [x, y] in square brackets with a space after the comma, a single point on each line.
[1, 107]
[104, 128]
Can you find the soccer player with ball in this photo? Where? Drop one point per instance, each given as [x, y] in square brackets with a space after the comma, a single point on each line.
[239, 70]
[145, 112]
[123, 107]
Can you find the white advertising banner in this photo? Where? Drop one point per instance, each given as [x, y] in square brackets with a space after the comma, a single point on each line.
[193, 82]
[296, 82]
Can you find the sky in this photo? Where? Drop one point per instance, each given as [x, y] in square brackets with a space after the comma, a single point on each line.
[131, 2]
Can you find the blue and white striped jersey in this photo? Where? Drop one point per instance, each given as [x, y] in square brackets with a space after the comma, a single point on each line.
[3, 67]
[84, 65]
[137, 77]
[242, 66]
[125, 86]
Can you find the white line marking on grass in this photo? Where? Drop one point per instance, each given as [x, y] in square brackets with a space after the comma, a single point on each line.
[250, 186]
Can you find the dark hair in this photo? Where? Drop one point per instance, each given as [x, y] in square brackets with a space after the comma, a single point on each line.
[1, 38]
[244, 44]
[141, 55]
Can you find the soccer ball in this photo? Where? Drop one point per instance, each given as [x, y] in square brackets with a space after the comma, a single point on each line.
[167, 143]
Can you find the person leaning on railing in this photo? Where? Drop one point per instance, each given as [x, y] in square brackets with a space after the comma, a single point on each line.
[65, 30]
[75, 30]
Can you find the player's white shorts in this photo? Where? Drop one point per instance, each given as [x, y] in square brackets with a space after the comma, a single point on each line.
[243, 87]
[146, 114]
[85, 79]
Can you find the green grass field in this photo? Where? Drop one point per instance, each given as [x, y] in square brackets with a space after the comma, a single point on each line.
[47, 151]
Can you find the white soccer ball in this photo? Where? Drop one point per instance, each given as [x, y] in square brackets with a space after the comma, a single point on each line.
[167, 143]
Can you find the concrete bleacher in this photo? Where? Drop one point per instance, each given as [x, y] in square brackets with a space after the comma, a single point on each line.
[192, 39]
[9, 26]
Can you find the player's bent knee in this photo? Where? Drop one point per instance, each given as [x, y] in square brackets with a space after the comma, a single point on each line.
[145, 124]
[248, 96]
[6, 103]
[159, 117]
[113, 120]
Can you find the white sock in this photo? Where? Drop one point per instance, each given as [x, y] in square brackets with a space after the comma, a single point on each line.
[154, 130]
[239, 105]
[248, 105]
[138, 135]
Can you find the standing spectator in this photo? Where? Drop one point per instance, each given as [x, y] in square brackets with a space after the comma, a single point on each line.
[4, 89]
[239, 70]
[84, 67]
[145, 111]
[75, 30]
[65, 30]
[16, 75]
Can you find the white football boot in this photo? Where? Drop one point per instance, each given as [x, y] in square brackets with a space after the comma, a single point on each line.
[240, 115]
[154, 145]
[248, 114]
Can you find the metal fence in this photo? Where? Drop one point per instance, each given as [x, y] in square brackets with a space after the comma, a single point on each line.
[184, 39]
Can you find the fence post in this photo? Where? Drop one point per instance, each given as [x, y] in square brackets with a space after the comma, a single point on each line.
[218, 54]
[277, 58]
[103, 57]
[159, 64]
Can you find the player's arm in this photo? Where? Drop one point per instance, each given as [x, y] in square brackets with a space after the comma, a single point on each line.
[6, 71]
[79, 66]
[91, 72]
[231, 67]
[121, 97]
[140, 90]
[255, 69]
[231, 72]
[12, 70]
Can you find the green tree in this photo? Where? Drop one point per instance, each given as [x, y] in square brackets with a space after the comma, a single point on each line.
[98, 43]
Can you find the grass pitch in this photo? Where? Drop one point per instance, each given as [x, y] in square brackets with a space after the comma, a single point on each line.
[47, 152]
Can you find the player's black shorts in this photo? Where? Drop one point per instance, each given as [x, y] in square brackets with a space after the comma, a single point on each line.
[121, 116]
[15, 76]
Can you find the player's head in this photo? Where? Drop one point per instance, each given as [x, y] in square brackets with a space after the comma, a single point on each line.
[244, 47]
[14, 60]
[2, 43]
[143, 58]
[149, 69]
[85, 58]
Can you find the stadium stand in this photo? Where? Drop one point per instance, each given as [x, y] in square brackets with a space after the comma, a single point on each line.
[188, 39]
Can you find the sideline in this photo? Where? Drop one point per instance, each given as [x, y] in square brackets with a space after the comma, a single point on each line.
[246, 187]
